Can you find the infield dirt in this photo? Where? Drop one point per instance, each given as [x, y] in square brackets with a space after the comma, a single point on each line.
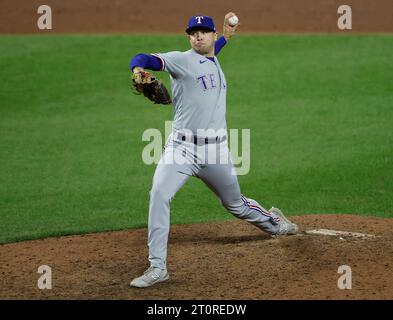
[218, 260]
[171, 16]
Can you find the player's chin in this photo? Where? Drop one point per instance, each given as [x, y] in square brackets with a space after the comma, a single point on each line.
[201, 50]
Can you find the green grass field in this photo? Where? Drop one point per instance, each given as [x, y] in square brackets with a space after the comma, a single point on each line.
[319, 107]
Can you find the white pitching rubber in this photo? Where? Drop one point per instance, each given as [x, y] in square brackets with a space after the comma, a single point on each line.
[336, 233]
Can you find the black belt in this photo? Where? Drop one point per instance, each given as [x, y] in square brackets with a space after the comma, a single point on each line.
[201, 140]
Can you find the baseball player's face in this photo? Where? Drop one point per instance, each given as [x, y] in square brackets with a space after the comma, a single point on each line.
[202, 41]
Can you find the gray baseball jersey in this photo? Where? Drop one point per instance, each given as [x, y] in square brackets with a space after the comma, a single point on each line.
[198, 89]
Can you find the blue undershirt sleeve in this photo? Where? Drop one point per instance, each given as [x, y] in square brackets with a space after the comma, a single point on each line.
[146, 61]
[220, 43]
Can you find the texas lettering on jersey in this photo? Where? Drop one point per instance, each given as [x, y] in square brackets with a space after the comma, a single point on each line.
[208, 81]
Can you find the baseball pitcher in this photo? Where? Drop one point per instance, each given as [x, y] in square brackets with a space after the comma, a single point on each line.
[198, 145]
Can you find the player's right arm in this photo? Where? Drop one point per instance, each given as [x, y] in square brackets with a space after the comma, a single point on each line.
[220, 43]
[227, 32]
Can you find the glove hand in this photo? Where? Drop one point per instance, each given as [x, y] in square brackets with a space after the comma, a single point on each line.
[142, 77]
[148, 85]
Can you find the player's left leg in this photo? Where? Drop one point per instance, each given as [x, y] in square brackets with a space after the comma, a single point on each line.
[171, 173]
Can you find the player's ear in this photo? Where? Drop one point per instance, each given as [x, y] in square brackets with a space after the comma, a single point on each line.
[215, 36]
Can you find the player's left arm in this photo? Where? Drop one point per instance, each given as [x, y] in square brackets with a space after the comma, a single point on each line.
[227, 32]
[146, 61]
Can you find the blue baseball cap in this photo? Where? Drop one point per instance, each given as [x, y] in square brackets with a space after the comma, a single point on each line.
[201, 22]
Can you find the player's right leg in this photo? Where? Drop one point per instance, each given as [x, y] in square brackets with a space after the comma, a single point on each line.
[171, 173]
[220, 178]
[226, 187]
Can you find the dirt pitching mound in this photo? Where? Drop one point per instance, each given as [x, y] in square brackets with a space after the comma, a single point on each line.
[220, 260]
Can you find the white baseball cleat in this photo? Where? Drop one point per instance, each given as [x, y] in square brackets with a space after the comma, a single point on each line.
[284, 226]
[151, 276]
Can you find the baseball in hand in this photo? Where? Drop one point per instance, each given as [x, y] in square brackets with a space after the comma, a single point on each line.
[233, 21]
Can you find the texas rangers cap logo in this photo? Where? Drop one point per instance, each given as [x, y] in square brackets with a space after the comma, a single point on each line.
[201, 22]
[199, 19]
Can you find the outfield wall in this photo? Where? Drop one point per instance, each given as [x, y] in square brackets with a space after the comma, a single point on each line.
[170, 16]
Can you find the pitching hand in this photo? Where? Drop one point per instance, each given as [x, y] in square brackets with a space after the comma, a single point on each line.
[229, 31]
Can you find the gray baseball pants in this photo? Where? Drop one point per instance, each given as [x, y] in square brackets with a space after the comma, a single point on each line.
[212, 164]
